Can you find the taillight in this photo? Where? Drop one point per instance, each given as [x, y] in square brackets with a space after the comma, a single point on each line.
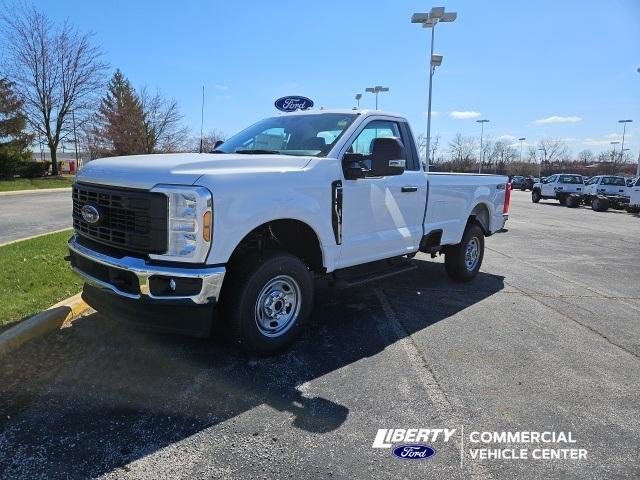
[507, 199]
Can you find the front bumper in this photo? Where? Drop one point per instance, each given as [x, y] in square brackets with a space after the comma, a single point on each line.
[140, 278]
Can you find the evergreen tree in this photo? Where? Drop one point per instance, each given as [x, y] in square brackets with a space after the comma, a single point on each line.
[121, 119]
[14, 140]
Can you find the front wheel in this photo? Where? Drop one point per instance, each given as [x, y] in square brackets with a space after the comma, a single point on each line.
[267, 301]
[535, 196]
[462, 261]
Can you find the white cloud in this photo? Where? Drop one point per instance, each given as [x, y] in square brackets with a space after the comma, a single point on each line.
[618, 136]
[464, 115]
[569, 139]
[595, 143]
[222, 88]
[507, 137]
[224, 97]
[557, 119]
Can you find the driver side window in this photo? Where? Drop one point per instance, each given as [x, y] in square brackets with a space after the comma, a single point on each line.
[364, 141]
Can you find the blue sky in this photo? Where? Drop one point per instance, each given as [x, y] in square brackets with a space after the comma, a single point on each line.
[518, 64]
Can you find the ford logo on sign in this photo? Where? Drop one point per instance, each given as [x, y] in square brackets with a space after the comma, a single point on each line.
[90, 214]
[291, 104]
[414, 452]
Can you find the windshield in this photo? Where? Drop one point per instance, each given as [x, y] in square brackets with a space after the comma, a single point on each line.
[303, 135]
[618, 181]
[571, 179]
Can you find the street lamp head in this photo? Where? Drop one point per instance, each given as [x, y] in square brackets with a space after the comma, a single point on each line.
[358, 96]
[419, 17]
[449, 17]
[436, 60]
[430, 23]
[481, 121]
[436, 12]
[370, 89]
[614, 143]
[624, 121]
[522, 139]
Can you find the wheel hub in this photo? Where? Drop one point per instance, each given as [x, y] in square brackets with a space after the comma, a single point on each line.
[472, 254]
[277, 306]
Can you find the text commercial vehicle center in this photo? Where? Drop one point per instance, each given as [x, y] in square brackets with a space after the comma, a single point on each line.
[237, 236]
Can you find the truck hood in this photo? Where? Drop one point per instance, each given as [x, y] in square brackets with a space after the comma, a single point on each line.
[147, 171]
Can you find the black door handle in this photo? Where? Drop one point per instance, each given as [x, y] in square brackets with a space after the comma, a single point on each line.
[410, 189]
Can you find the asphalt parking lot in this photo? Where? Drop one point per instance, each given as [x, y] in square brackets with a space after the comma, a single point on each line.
[547, 337]
[47, 212]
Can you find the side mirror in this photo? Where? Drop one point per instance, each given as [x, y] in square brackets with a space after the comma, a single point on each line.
[352, 166]
[217, 144]
[387, 157]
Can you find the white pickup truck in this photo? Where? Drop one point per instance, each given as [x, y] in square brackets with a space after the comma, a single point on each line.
[558, 186]
[178, 241]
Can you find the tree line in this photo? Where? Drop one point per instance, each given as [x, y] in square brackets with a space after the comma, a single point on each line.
[52, 77]
[503, 156]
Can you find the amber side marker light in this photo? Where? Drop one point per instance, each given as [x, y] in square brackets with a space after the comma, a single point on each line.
[206, 229]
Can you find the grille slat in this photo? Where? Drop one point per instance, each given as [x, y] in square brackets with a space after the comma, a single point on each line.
[133, 220]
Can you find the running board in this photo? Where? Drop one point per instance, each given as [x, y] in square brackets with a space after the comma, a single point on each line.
[353, 276]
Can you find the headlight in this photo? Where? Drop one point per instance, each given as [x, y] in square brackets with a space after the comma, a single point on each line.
[189, 223]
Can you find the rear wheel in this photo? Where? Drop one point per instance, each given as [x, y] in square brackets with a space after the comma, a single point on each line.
[267, 301]
[562, 199]
[573, 201]
[535, 196]
[600, 204]
[462, 262]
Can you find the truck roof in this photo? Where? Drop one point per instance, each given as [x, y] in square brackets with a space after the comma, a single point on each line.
[358, 111]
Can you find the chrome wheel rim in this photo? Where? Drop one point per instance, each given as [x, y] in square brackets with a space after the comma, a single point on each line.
[278, 306]
[472, 254]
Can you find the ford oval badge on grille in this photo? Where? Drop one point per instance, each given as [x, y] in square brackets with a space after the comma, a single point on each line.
[90, 214]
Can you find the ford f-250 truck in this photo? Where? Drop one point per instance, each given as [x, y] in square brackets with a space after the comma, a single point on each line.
[175, 241]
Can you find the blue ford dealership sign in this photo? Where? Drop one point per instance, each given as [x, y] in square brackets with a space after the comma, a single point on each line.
[291, 104]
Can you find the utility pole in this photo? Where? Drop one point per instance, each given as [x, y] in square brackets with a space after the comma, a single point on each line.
[481, 122]
[202, 119]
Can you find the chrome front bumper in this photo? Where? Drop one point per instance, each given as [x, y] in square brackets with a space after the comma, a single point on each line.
[212, 277]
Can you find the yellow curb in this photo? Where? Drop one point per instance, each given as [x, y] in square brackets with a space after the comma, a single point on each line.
[11, 242]
[36, 190]
[58, 316]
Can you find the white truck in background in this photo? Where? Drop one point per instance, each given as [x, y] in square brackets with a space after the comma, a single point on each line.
[175, 241]
[558, 187]
[634, 197]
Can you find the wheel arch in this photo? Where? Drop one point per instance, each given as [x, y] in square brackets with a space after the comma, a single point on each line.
[286, 234]
[481, 216]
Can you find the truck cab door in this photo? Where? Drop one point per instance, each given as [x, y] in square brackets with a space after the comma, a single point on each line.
[382, 215]
[548, 186]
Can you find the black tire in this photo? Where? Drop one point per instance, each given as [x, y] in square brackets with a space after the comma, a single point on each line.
[562, 199]
[573, 201]
[523, 189]
[246, 285]
[535, 196]
[455, 260]
[600, 204]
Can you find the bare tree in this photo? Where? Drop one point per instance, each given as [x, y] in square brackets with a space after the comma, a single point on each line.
[586, 156]
[461, 150]
[163, 131]
[208, 141]
[57, 70]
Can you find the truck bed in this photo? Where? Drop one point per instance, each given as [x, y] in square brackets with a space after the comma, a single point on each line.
[451, 198]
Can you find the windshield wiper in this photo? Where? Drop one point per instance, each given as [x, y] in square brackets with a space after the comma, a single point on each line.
[258, 151]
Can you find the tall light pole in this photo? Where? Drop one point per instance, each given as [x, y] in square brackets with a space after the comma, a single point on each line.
[377, 89]
[624, 128]
[430, 20]
[358, 97]
[613, 155]
[540, 166]
[521, 140]
[481, 122]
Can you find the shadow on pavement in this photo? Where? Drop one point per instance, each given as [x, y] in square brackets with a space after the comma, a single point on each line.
[92, 398]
